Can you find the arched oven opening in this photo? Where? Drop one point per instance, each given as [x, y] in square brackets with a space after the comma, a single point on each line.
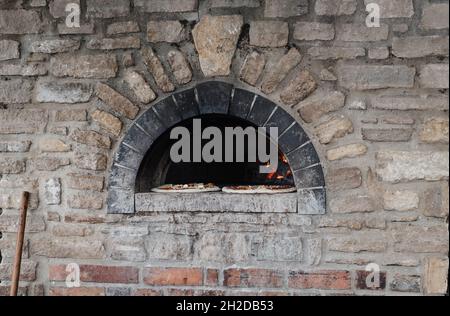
[158, 169]
[142, 163]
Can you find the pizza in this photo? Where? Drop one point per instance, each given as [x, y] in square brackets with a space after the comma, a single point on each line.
[259, 189]
[187, 188]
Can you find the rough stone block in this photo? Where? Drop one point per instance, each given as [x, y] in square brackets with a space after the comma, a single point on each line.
[401, 166]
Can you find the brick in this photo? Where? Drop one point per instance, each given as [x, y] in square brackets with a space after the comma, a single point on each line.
[9, 224]
[169, 247]
[130, 252]
[85, 182]
[97, 66]
[269, 33]
[324, 53]
[11, 166]
[15, 91]
[344, 178]
[435, 16]
[98, 274]
[212, 277]
[118, 291]
[9, 50]
[14, 146]
[352, 204]
[335, 127]
[69, 230]
[253, 278]
[91, 138]
[433, 239]
[28, 70]
[346, 151]
[400, 166]
[223, 247]
[312, 31]
[280, 248]
[420, 46]
[139, 86]
[107, 121]
[435, 202]
[358, 244]
[252, 68]
[85, 28]
[73, 248]
[394, 9]
[398, 120]
[379, 53]
[127, 42]
[436, 276]
[50, 163]
[333, 7]
[435, 130]
[407, 103]
[434, 76]
[27, 271]
[122, 28]
[90, 161]
[387, 135]
[301, 87]
[86, 201]
[362, 33]
[12, 201]
[155, 67]
[166, 31]
[147, 292]
[173, 276]
[166, 5]
[54, 46]
[20, 22]
[324, 280]
[71, 116]
[76, 291]
[285, 8]
[38, 3]
[406, 283]
[116, 101]
[400, 201]
[62, 91]
[320, 103]
[58, 7]
[216, 39]
[235, 3]
[53, 145]
[107, 8]
[8, 246]
[368, 77]
[366, 280]
[180, 66]
[278, 72]
[21, 291]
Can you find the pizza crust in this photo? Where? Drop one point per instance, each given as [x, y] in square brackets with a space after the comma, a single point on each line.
[259, 189]
[187, 188]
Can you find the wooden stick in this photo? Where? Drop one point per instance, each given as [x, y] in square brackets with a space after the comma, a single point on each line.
[19, 244]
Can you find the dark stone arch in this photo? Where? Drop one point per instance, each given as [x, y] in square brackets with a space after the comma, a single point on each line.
[214, 97]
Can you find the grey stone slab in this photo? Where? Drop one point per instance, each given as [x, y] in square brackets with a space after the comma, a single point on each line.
[216, 203]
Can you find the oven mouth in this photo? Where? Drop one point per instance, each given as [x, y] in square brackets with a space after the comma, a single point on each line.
[158, 169]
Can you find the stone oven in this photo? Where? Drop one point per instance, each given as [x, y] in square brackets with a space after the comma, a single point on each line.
[362, 113]
[142, 159]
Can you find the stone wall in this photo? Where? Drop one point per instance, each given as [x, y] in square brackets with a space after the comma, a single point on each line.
[373, 100]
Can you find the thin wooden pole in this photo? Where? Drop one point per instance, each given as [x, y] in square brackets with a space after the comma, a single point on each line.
[19, 244]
